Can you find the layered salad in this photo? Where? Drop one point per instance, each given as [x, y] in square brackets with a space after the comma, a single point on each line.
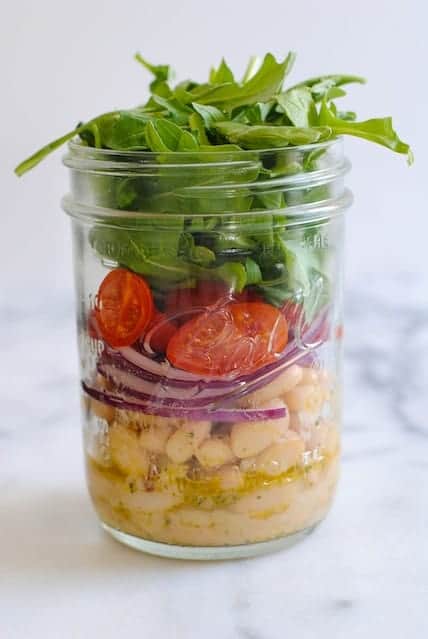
[209, 311]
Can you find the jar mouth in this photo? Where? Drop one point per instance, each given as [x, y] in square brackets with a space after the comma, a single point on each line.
[83, 157]
[206, 183]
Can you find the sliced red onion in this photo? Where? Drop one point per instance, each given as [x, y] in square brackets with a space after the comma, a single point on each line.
[138, 382]
[161, 369]
[195, 414]
[190, 394]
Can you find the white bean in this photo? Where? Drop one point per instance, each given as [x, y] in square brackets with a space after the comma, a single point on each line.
[152, 501]
[126, 452]
[198, 430]
[250, 438]
[309, 375]
[230, 477]
[326, 437]
[180, 446]
[248, 464]
[154, 438]
[101, 410]
[303, 424]
[325, 376]
[307, 398]
[281, 456]
[280, 385]
[271, 499]
[214, 452]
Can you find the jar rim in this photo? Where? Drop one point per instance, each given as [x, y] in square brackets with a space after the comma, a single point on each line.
[83, 157]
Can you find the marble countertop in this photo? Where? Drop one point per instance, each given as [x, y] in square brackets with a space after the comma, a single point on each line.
[362, 573]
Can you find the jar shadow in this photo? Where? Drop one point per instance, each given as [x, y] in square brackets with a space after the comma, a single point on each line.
[56, 533]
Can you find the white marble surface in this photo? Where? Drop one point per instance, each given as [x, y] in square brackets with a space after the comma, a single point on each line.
[363, 573]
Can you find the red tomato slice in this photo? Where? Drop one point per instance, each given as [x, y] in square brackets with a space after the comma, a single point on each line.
[238, 338]
[161, 331]
[182, 303]
[124, 307]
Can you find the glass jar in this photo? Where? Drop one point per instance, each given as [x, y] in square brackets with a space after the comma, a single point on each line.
[210, 323]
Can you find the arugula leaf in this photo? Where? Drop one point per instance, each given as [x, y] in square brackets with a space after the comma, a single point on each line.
[38, 156]
[222, 74]
[209, 114]
[164, 136]
[265, 136]
[261, 87]
[125, 132]
[252, 66]
[95, 131]
[254, 114]
[299, 107]
[161, 72]
[254, 274]
[197, 127]
[179, 112]
[377, 130]
[321, 85]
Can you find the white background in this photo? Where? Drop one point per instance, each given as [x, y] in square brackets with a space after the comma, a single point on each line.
[62, 62]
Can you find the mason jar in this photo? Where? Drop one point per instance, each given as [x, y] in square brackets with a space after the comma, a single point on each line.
[209, 315]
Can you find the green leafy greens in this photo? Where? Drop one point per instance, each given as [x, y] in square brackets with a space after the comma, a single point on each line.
[258, 101]
[195, 230]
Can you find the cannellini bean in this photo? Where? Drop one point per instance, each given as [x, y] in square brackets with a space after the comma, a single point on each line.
[146, 422]
[230, 477]
[303, 424]
[280, 385]
[250, 438]
[281, 456]
[180, 446]
[271, 499]
[326, 437]
[309, 375]
[126, 452]
[198, 430]
[214, 452]
[248, 464]
[151, 501]
[101, 410]
[325, 377]
[307, 398]
[154, 438]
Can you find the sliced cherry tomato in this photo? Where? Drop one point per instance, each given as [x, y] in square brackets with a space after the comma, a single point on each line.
[160, 331]
[235, 338]
[182, 303]
[124, 307]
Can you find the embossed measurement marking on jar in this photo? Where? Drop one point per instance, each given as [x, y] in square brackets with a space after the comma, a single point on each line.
[316, 241]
